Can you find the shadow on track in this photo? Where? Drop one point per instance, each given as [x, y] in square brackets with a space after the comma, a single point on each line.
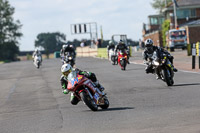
[134, 69]
[117, 109]
[186, 84]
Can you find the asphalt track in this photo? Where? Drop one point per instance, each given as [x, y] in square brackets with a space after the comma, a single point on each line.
[31, 100]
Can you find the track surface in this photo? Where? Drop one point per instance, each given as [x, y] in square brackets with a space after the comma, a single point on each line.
[31, 100]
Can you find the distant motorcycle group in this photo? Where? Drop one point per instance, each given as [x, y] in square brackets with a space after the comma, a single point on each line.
[84, 85]
[119, 54]
[158, 60]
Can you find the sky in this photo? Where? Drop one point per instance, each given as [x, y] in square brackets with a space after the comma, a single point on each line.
[115, 17]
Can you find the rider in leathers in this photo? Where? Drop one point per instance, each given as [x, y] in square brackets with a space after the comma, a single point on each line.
[122, 47]
[66, 69]
[68, 48]
[38, 53]
[110, 46]
[148, 52]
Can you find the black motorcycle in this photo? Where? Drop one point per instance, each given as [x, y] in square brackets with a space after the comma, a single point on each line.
[163, 67]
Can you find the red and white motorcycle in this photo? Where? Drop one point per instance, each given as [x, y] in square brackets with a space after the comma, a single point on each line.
[85, 90]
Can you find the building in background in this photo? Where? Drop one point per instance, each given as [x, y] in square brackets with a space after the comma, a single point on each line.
[188, 18]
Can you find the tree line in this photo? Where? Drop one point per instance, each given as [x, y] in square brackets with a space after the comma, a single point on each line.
[9, 32]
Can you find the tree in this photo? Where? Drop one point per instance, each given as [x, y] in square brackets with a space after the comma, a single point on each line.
[160, 4]
[165, 28]
[51, 42]
[9, 32]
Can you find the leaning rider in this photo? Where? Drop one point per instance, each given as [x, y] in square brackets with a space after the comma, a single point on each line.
[148, 52]
[66, 69]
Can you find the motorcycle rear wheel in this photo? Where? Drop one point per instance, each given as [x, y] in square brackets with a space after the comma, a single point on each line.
[88, 101]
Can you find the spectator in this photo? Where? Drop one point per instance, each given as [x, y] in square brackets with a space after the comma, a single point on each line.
[82, 44]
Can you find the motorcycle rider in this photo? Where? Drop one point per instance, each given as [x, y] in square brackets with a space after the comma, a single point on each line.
[38, 53]
[122, 47]
[67, 48]
[111, 46]
[148, 52]
[66, 69]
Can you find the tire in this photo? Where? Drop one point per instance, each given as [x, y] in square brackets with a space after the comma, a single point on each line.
[38, 65]
[106, 105]
[169, 81]
[88, 101]
[171, 49]
[123, 64]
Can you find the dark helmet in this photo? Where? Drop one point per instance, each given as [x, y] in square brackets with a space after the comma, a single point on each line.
[149, 45]
[121, 42]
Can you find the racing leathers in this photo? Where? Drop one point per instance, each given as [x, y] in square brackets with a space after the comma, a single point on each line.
[38, 53]
[64, 82]
[124, 48]
[68, 49]
[147, 58]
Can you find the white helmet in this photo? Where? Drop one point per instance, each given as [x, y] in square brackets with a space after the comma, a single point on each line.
[36, 50]
[64, 46]
[110, 42]
[66, 69]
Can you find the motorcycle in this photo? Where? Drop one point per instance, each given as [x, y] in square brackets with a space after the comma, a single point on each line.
[69, 58]
[122, 59]
[113, 57]
[85, 90]
[163, 67]
[37, 61]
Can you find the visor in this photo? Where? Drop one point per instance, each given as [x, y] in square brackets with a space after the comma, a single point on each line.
[66, 73]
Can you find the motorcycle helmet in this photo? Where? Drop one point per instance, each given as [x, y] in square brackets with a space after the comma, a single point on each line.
[121, 42]
[149, 45]
[64, 46]
[110, 43]
[66, 69]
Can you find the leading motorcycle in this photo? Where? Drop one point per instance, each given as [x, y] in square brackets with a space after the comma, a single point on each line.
[37, 61]
[163, 67]
[85, 90]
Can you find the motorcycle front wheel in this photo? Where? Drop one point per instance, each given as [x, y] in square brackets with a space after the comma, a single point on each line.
[123, 64]
[168, 79]
[88, 101]
[38, 65]
[106, 104]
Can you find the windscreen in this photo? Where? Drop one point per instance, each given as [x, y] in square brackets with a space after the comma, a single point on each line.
[178, 33]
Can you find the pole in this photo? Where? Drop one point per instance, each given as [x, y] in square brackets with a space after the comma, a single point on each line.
[193, 55]
[175, 17]
[199, 55]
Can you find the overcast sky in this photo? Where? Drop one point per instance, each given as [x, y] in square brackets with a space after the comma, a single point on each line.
[115, 17]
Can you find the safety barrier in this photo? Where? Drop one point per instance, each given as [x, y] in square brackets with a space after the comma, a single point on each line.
[86, 51]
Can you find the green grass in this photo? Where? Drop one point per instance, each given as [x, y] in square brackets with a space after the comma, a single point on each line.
[102, 52]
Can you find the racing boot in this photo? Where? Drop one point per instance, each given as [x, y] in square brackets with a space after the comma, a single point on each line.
[65, 91]
[158, 77]
[173, 68]
[101, 88]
